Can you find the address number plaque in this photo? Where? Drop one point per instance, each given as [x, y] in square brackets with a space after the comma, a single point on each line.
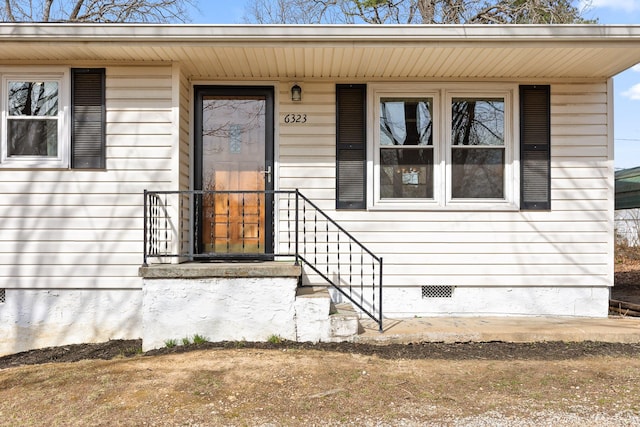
[295, 118]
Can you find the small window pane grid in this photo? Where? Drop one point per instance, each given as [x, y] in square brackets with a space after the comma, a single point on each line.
[437, 291]
[2, 296]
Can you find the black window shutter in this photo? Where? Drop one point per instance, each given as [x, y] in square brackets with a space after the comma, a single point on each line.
[351, 141]
[535, 147]
[88, 117]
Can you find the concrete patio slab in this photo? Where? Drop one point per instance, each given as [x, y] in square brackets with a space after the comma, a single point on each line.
[508, 329]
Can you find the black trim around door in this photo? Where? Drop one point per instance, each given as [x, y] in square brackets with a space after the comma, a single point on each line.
[200, 92]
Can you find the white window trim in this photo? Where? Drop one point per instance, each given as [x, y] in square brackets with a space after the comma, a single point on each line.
[442, 94]
[509, 136]
[61, 161]
[404, 203]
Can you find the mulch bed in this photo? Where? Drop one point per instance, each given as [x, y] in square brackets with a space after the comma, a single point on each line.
[447, 351]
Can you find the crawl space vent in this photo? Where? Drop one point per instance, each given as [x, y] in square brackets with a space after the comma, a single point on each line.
[437, 291]
[2, 297]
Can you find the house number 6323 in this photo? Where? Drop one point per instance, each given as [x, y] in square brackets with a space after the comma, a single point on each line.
[295, 118]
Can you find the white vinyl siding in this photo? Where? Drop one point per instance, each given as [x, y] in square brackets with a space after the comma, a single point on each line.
[567, 246]
[185, 108]
[83, 229]
[307, 152]
[184, 155]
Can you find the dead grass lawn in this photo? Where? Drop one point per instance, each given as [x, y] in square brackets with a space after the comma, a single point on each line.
[308, 387]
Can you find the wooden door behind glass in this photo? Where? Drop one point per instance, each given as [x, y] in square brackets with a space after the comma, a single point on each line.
[234, 158]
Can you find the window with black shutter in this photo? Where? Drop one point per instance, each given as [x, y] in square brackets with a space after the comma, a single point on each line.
[88, 118]
[351, 146]
[535, 147]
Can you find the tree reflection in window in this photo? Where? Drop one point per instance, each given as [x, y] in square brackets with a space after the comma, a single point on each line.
[32, 123]
[406, 148]
[478, 148]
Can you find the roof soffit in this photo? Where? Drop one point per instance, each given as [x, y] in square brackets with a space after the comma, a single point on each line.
[582, 51]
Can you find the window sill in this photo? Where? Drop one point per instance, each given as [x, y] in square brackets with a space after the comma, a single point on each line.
[451, 207]
[14, 166]
[34, 164]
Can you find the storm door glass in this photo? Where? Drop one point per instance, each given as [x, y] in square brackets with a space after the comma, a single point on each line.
[233, 168]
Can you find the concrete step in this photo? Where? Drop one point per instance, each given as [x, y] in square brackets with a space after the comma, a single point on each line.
[318, 319]
[344, 323]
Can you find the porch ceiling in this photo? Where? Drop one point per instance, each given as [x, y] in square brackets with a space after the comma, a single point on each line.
[337, 52]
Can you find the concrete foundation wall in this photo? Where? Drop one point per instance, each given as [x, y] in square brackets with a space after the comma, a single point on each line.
[32, 319]
[218, 308]
[246, 308]
[497, 301]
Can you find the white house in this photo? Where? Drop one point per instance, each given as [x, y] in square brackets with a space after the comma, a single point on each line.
[475, 161]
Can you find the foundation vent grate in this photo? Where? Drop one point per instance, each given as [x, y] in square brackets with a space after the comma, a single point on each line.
[437, 291]
[2, 296]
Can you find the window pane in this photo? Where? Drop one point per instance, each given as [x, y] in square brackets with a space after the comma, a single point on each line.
[406, 121]
[406, 173]
[37, 137]
[477, 173]
[33, 98]
[477, 121]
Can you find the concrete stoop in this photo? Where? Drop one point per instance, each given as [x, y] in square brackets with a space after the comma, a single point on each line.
[318, 319]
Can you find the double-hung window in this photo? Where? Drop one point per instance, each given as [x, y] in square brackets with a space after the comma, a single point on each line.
[34, 131]
[53, 119]
[477, 147]
[406, 150]
[443, 147]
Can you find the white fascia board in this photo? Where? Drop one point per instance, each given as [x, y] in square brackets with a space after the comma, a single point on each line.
[318, 33]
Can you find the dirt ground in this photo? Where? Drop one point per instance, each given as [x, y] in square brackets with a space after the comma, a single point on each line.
[288, 384]
[273, 384]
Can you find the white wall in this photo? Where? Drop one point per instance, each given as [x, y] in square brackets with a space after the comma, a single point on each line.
[83, 229]
[42, 318]
[570, 246]
[496, 301]
[71, 240]
[218, 309]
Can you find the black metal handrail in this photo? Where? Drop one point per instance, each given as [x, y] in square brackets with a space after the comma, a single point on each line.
[199, 225]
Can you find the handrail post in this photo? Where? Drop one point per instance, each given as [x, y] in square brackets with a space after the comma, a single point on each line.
[380, 298]
[191, 212]
[296, 228]
[144, 227]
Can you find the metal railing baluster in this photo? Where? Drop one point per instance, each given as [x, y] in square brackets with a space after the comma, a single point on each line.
[315, 237]
[166, 224]
[338, 256]
[327, 233]
[259, 207]
[304, 229]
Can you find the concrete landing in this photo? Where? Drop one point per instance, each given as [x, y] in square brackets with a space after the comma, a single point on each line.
[508, 329]
[195, 270]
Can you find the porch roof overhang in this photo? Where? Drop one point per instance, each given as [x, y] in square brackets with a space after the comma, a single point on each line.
[338, 52]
